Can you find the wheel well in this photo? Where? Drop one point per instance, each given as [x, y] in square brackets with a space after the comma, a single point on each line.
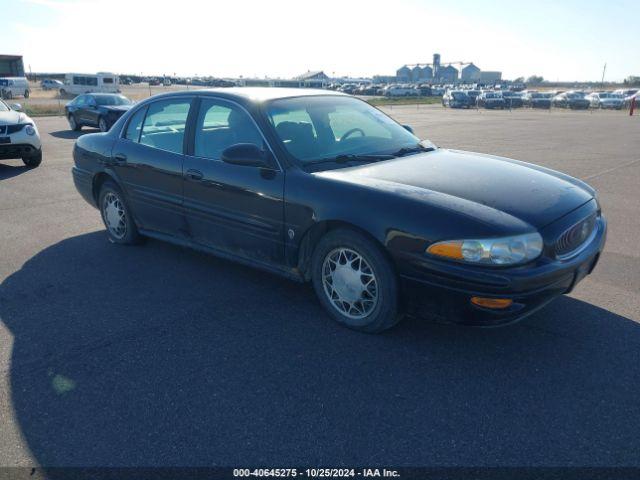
[98, 180]
[313, 236]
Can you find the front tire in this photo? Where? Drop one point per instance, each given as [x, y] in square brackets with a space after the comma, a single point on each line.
[103, 125]
[73, 123]
[34, 160]
[355, 281]
[116, 215]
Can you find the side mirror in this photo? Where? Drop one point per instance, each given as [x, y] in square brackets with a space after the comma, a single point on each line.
[408, 128]
[16, 106]
[246, 155]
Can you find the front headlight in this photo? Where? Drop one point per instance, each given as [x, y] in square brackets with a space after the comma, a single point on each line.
[491, 251]
[30, 130]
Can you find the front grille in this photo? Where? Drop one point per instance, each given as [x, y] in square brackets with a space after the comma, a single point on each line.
[575, 237]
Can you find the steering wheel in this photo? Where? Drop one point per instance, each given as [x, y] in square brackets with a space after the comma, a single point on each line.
[349, 132]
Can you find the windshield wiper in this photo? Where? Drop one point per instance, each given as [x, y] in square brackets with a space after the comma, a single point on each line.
[407, 150]
[352, 157]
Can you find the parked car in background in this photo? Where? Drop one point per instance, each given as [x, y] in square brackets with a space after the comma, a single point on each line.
[19, 136]
[100, 110]
[628, 100]
[51, 84]
[573, 99]
[367, 90]
[78, 83]
[166, 82]
[606, 100]
[489, 99]
[538, 99]
[424, 89]
[153, 82]
[512, 99]
[473, 95]
[400, 91]
[456, 99]
[241, 173]
[12, 87]
[626, 92]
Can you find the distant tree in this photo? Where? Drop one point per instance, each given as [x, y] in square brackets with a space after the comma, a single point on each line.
[632, 81]
[519, 80]
[535, 80]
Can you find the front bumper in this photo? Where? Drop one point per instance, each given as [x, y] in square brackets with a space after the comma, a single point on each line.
[20, 145]
[443, 290]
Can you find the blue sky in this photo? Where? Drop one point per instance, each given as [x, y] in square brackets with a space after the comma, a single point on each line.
[565, 40]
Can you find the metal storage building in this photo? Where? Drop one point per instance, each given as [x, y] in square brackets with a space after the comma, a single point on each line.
[403, 74]
[470, 73]
[11, 66]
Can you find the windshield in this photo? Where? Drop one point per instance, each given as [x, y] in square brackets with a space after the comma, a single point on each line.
[322, 127]
[459, 95]
[112, 100]
[4, 107]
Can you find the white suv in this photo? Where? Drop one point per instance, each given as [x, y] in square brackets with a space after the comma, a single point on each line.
[19, 137]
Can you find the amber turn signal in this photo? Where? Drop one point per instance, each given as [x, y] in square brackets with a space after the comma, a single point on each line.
[447, 249]
[495, 303]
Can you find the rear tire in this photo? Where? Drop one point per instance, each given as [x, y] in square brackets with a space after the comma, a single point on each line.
[116, 215]
[102, 125]
[34, 160]
[26, 94]
[355, 281]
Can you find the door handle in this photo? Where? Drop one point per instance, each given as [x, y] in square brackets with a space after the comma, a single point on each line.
[120, 158]
[194, 174]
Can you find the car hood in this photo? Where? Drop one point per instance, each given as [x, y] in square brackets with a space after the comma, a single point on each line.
[533, 194]
[12, 117]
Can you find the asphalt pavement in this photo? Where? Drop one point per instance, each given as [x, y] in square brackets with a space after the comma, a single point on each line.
[157, 355]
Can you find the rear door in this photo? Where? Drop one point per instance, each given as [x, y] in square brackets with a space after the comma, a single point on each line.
[232, 208]
[148, 160]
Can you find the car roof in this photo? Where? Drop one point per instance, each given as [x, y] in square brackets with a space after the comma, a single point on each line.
[263, 94]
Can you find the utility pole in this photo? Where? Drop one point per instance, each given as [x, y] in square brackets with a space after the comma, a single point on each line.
[604, 69]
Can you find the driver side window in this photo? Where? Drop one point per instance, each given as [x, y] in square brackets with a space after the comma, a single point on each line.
[221, 125]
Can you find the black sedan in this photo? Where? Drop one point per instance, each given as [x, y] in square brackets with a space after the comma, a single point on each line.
[100, 110]
[322, 187]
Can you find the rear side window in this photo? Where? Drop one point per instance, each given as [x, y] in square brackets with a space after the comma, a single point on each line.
[165, 124]
[135, 126]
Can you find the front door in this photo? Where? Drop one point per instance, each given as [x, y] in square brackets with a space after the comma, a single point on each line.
[149, 160]
[232, 208]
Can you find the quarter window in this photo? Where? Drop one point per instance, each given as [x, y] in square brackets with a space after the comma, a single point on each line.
[164, 125]
[135, 126]
[221, 125]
